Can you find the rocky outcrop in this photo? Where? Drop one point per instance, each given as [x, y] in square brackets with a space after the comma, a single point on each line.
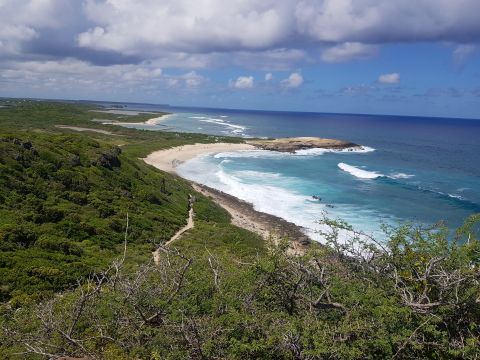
[301, 143]
[109, 159]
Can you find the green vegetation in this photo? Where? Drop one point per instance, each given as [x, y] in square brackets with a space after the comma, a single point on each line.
[63, 206]
[220, 297]
[64, 196]
[67, 288]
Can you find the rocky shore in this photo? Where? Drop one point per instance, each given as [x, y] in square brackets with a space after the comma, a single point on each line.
[268, 226]
[301, 143]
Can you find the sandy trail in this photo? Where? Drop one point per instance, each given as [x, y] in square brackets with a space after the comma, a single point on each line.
[190, 225]
[179, 233]
[77, 128]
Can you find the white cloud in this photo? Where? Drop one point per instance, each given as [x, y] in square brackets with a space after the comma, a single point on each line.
[293, 81]
[21, 21]
[392, 78]
[216, 25]
[12, 36]
[268, 76]
[186, 25]
[145, 36]
[58, 76]
[348, 51]
[243, 82]
[140, 73]
[462, 52]
[192, 79]
[269, 60]
[378, 21]
[254, 34]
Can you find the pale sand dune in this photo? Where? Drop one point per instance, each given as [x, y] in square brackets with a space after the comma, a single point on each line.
[168, 159]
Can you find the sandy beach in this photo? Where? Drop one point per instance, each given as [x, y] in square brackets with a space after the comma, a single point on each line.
[168, 159]
[153, 121]
[243, 214]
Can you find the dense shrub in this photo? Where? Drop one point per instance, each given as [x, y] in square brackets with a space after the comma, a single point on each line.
[416, 298]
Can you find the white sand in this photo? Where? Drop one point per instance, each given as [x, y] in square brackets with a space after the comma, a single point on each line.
[151, 122]
[168, 159]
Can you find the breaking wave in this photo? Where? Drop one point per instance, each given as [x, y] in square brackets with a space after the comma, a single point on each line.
[359, 173]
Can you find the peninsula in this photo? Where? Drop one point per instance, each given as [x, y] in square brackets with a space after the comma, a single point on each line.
[293, 144]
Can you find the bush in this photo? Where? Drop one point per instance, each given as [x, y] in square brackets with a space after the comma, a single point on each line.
[52, 243]
[19, 236]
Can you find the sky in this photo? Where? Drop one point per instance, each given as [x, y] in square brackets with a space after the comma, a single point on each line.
[400, 57]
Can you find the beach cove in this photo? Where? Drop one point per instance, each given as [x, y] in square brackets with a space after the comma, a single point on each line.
[244, 213]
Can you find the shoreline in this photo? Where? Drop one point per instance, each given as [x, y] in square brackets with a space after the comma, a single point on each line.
[269, 227]
[168, 159]
[243, 213]
[153, 121]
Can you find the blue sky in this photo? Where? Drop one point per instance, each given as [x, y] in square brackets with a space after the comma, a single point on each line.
[402, 57]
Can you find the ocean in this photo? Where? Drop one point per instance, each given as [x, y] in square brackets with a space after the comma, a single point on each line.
[412, 169]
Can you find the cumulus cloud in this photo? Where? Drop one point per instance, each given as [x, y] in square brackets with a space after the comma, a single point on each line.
[348, 51]
[205, 29]
[293, 81]
[268, 76]
[243, 82]
[269, 35]
[377, 21]
[58, 77]
[186, 25]
[216, 25]
[392, 78]
[192, 79]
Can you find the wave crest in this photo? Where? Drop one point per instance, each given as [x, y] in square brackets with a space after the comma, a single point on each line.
[359, 173]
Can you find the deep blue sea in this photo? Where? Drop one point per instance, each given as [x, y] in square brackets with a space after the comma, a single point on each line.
[412, 169]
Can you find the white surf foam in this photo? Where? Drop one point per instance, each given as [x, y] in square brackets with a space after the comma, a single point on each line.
[233, 128]
[249, 154]
[259, 175]
[271, 195]
[320, 151]
[456, 196]
[400, 176]
[359, 173]
[277, 154]
[212, 120]
[275, 200]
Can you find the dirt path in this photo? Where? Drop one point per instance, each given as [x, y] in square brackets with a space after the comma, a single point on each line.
[76, 128]
[190, 225]
[179, 233]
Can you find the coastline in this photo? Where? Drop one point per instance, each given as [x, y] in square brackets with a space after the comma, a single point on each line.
[268, 226]
[243, 213]
[153, 121]
[168, 159]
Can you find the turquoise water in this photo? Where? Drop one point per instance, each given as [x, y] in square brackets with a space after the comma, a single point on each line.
[412, 169]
